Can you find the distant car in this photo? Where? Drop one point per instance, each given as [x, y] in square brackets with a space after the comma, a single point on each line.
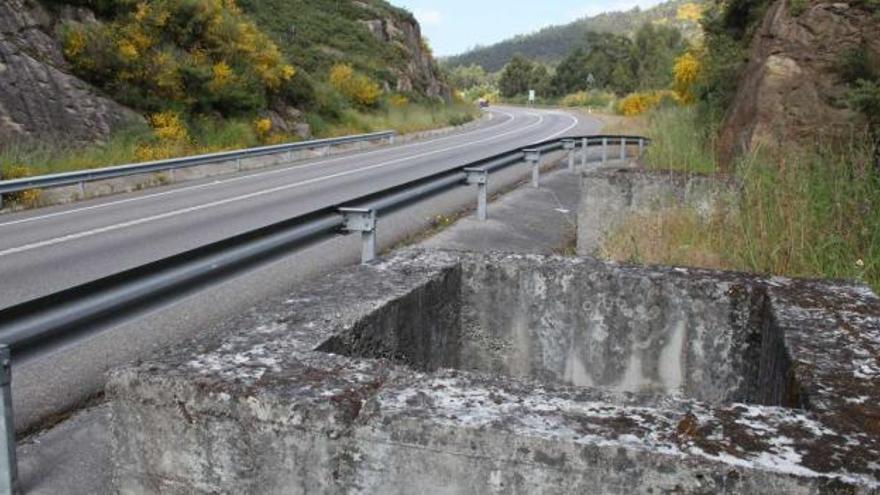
[484, 103]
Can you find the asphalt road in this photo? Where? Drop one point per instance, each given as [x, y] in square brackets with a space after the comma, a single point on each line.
[50, 249]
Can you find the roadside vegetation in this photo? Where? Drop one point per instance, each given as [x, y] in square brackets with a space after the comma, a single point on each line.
[214, 75]
[811, 212]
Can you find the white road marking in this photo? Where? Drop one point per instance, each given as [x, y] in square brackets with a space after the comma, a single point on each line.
[162, 216]
[512, 118]
[575, 122]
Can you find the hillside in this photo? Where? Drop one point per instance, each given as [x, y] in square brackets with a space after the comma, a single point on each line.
[88, 69]
[375, 37]
[552, 44]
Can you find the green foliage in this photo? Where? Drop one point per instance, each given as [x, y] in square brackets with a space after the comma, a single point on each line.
[619, 64]
[812, 213]
[521, 75]
[200, 56]
[468, 77]
[679, 141]
[798, 7]
[552, 44]
[318, 34]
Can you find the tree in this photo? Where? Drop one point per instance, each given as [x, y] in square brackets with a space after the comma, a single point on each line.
[607, 57]
[654, 52]
[517, 77]
[467, 77]
[542, 81]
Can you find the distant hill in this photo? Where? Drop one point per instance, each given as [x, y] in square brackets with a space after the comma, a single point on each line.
[553, 43]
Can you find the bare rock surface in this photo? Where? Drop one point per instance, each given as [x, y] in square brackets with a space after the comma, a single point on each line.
[39, 98]
[791, 90]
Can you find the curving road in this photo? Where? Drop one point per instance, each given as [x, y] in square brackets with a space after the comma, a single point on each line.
[50, 249]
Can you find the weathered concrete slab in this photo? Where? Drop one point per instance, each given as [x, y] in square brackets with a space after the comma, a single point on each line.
[611, 195]
[451, 372]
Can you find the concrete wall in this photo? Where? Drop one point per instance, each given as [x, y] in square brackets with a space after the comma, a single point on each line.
[259, 410]
[578, 322]
[611, 195]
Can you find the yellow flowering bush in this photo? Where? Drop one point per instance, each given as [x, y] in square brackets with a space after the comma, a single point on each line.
[689, 12]
[638, 103]
[685, 73]
[263, 127]
[28, 197]
[168, 126]
[197, 55]
[358, 88]
[398, 101]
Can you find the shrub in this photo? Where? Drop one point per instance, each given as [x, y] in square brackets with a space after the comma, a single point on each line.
[27, 197]
[358, 88]
[640, 103]
[685, 73]
[587, 99]
[201, 56]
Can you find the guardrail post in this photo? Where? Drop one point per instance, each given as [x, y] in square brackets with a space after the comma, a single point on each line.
[8, 463]
[238, 164]
[391, 138]
[641, 147]
[325, 151]
[533, 156]
[364, 221]
[622, 148]
[290, 155]
[82, 189]
[585, 145]
[480, 177]
[569, 145]
[604, 150]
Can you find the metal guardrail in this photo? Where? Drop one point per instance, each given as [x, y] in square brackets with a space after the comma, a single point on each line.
[35, 328]
[80, 177]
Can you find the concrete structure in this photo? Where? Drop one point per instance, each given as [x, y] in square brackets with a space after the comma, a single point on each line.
[610, 195]
[452, 372]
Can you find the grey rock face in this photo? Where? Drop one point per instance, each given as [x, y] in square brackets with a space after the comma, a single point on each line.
[38, 97]
[447, 372]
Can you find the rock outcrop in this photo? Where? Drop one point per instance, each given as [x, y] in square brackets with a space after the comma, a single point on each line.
[39, 98]
[792, 90]
[421, 73]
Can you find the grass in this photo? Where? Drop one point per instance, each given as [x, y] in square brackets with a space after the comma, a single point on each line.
[406, 119]
[674, 132]
[210, 135]
[810, 213]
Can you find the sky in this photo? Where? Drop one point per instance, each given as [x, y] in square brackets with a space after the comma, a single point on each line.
[454, 26]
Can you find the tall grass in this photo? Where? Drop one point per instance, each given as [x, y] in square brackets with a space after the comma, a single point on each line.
[678, 142]
[805, 213]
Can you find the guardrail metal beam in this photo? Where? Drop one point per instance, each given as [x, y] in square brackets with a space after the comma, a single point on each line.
[33, 328]
[82, 176]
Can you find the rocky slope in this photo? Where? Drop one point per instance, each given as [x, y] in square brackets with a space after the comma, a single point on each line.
[38, 95]
[372, 35]
[792, 89]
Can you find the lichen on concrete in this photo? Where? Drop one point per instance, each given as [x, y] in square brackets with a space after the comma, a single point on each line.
[458, 372]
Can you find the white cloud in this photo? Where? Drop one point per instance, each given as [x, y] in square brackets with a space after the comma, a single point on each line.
[428, 17]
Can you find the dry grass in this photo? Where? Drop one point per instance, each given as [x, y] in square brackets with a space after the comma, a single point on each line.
[812, 213]
[672, 236]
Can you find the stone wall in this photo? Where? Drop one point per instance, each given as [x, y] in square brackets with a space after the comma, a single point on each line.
[609, 196]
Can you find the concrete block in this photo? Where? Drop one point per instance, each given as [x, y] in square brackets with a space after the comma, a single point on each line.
[611, 195]
[452, 372]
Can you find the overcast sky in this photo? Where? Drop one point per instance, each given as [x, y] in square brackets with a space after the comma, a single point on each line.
[454, 26]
